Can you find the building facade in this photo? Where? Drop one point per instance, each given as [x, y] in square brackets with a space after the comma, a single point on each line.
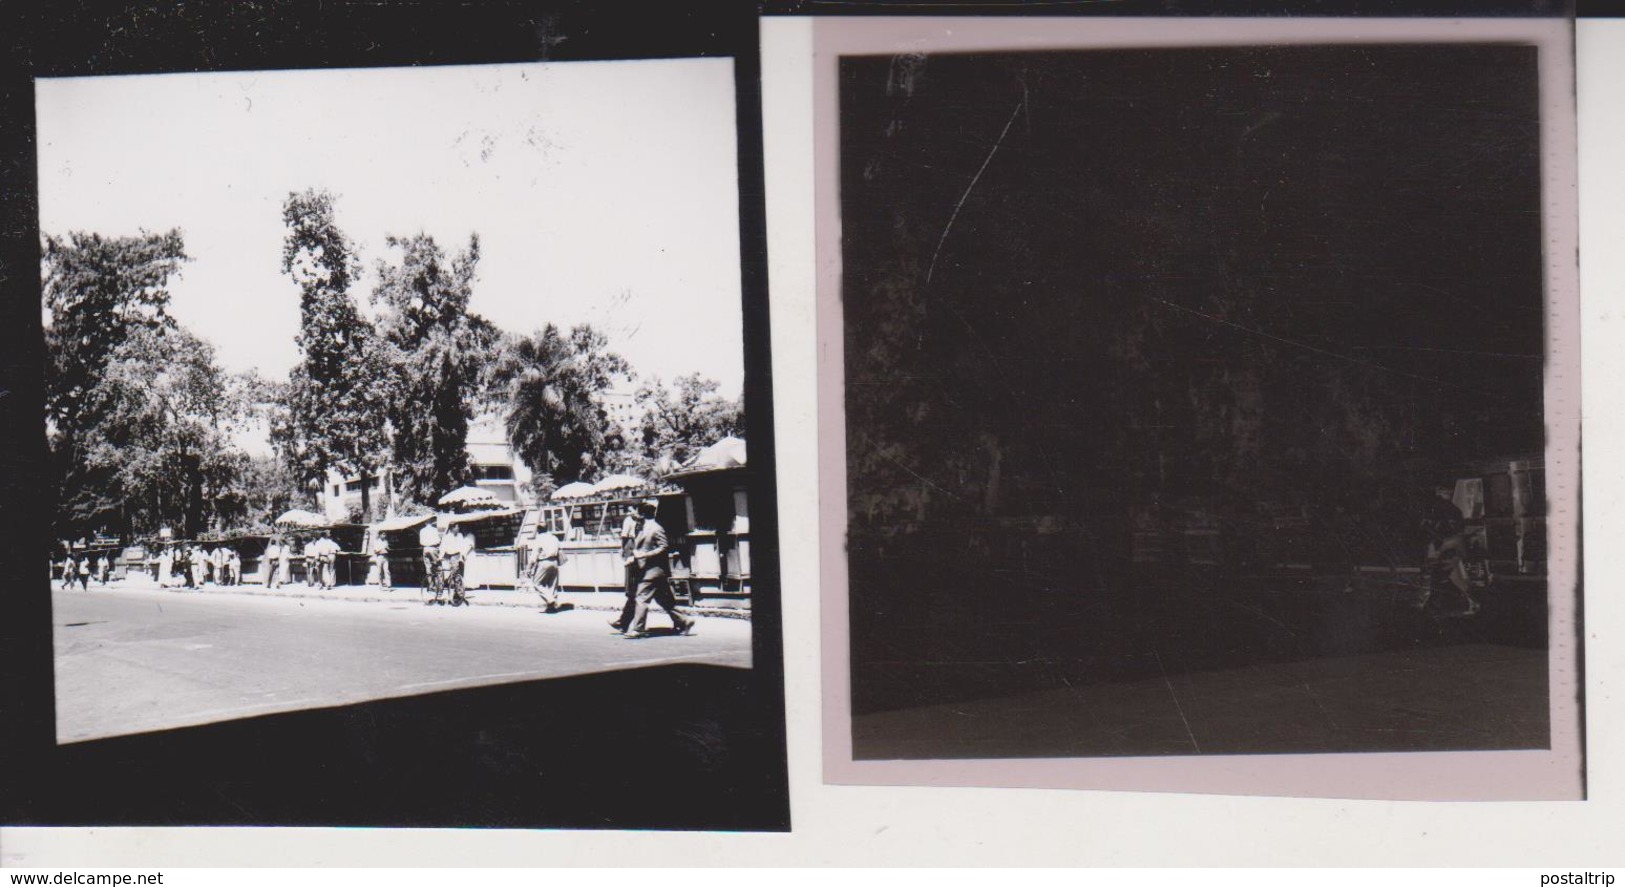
[492, 461]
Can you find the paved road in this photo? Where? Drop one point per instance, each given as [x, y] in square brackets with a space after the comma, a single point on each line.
[1467, 697]
[137, 660]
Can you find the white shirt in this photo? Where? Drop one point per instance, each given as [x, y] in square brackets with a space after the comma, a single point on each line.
[545, 545]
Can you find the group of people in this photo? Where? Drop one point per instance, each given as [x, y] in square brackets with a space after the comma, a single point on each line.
[645, 552]
[79, 568]
[321, 556]
[444, 554]
[192, 565]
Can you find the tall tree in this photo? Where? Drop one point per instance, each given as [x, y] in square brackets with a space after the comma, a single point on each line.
[335, 403]
[547, 386]
[164, 439]
[437, 361]
[98, 291]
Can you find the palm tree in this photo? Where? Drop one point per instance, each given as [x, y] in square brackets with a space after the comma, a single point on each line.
[546, 387]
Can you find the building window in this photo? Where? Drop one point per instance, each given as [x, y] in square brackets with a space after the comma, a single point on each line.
[493, 472]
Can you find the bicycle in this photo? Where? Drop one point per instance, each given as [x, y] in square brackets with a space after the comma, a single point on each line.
[433, 584]
[452, 580]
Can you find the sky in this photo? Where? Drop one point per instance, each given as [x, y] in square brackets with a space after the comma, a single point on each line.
[602, 192]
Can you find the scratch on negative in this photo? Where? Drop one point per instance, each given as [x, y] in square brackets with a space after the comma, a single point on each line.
[931, 269]
[1177, 707]
[926, 480]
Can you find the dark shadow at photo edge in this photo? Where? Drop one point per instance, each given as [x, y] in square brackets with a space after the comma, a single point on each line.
[670, 747]
[683, 747]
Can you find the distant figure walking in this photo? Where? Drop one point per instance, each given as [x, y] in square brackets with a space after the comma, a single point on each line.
[284, 562]
[101, 569]
[380, 560]
[542, 568]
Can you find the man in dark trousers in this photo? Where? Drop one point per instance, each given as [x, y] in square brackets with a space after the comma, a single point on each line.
[629, 538]
[651, 551]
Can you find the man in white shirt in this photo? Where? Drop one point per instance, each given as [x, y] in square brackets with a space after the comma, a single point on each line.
[542, 565]
[455, 549]
[327, 556]
[429, 540]
[380, 560]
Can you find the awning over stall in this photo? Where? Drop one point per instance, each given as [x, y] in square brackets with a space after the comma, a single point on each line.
[397, 524]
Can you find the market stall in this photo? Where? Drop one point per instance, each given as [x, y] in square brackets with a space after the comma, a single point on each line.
[714, 533]
[588, 518]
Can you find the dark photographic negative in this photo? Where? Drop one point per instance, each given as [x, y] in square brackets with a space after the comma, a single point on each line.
[1195, 401]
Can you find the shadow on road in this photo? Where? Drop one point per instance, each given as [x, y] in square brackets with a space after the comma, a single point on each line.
[671, 747]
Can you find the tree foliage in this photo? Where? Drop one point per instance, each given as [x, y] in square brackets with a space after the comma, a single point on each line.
[335, 402]
[97, 290]
[547, 387]
[436, 355]
[161, 454]
[680, 420]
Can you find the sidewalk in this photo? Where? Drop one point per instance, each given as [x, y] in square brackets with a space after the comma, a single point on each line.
[605, 601]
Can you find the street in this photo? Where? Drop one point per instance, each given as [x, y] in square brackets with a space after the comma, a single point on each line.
[1458, 698]
[134, 660]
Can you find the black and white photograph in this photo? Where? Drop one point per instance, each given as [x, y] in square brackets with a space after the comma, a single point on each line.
[1196, 402]
[405, 409]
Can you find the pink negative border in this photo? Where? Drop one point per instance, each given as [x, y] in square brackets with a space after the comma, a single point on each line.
[1555, 774]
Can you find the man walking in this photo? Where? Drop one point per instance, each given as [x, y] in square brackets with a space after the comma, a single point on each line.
[651, 551]
[629, 537]
[542, 567]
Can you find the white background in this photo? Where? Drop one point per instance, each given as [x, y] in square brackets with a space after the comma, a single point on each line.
[947, 827]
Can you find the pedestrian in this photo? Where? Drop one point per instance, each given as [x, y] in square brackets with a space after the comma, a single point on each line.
[380, 560]
[84, 572]
[630, 573]
[284, 562]
[542, 561]
[101, 569]
[234, 566]
[268, 562]
[312, 568]
[217, 561]
[455, 550]
[429, 543]
[200, 566]
[166, 566]
[651, 551]
[1445, 559]
[327, 554]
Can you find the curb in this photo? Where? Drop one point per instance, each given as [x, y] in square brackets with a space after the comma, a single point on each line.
[414, 595]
